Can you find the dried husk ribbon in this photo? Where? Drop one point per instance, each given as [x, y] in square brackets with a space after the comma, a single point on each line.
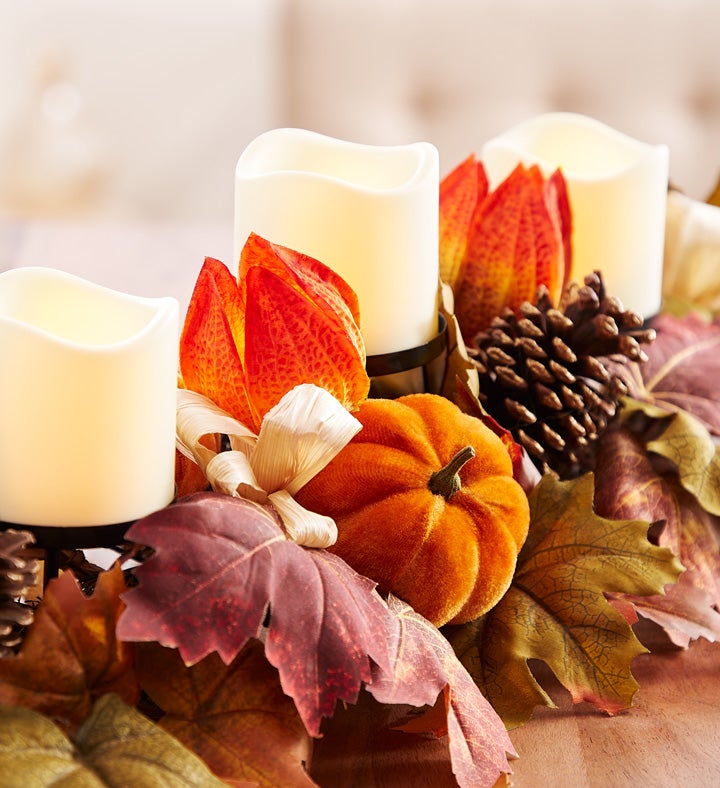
[297, 439]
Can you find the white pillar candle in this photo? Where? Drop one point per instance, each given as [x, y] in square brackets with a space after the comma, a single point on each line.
[617, 188]
[369, 213]
[88, 382]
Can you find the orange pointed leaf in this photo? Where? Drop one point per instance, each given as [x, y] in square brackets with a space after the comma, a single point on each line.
[460, 193]
[287, 320]
[558, 204]
[296, 344]
[518, 240]
[496, 236]
[210, 360]
[308, 275]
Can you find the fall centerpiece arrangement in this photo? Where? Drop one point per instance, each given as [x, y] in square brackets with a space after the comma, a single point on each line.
[425, 549]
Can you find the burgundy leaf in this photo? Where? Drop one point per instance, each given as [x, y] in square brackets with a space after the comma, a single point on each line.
[220, 564]
[423, 664]
[682, 370]
[628, 485]
[684, 611]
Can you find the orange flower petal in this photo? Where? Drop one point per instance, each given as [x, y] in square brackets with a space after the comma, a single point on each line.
[515, 245]
[558, 204]
[209, 359]
[329, 290]
[461, 191]
[290, 341]
[488, 269]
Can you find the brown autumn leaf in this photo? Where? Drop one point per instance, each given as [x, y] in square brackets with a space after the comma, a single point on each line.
[682, 371]
[683, 442]
[235, 717]
[116, 747]
[189, 477]
[71, 655]
[632, 483]
[479, 743]
[556, 610]
[459, 371]
[685, 612]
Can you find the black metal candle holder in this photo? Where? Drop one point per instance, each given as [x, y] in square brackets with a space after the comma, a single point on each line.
[51, 541]
[388, 371]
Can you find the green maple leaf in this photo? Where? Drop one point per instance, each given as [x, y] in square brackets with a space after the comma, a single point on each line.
[115, 747]
[556, 611]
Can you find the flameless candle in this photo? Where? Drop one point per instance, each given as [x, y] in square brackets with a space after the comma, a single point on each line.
[369, 213]
[87, 401]
[617, 188]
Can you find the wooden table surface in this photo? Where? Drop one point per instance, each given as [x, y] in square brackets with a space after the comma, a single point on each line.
[671, 736]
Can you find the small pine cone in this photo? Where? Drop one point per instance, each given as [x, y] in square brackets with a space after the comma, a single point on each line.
[542, 374]
[18, 574]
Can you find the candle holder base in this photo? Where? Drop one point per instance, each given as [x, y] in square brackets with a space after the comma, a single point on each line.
[52, 541]
[417, 369]
[73, 537]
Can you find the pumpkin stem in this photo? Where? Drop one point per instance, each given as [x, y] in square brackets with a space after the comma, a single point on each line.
[446, 481]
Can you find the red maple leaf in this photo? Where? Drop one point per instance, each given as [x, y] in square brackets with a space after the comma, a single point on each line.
[221, 564]
[222, 568]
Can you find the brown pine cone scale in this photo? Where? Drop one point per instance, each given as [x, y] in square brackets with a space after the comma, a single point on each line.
[542, 374]
[17, 574]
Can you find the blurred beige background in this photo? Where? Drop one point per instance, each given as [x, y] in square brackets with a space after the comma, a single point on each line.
[139, 110]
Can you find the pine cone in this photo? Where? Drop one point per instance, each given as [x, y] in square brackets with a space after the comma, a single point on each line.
[542, 374]
[17, 575]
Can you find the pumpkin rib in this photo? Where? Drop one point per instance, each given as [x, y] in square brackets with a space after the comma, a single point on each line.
[502, 500]
[448, 429]
[459, 573]
[407, 541]
[357, 472]
[493, 566]
[436, 544]
[402, 428]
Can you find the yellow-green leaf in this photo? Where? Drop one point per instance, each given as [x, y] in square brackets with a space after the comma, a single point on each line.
[688, 445]
[556, 611]
[116, 747]
[34, 751]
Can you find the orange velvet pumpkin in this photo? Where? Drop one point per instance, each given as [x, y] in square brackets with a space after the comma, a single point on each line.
[429, 519]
